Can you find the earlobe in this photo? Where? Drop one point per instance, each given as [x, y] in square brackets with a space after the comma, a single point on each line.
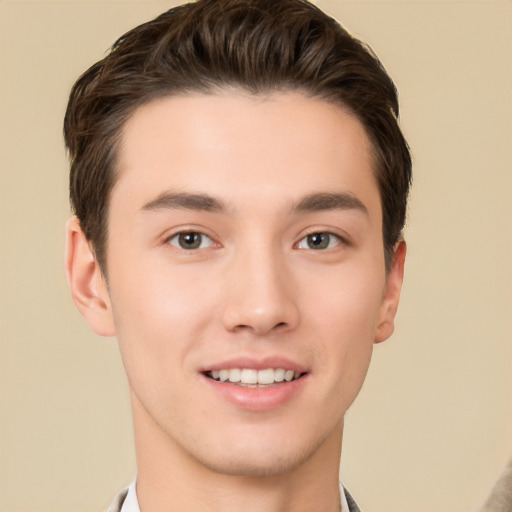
[86, 281]
[391, 297]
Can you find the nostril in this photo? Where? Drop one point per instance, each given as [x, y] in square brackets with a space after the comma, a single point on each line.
[260, 316]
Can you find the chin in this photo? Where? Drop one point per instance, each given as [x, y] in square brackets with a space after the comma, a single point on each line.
[266, 458]
[265, 465]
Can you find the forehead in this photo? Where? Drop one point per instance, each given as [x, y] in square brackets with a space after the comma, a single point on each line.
[278, 146]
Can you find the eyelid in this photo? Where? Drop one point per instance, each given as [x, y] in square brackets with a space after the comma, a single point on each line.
[186, 230]
[341, 239]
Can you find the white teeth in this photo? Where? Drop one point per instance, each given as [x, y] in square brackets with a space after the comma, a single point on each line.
[249, 376]
[266, 376]
[288, 376]
[279, 375]
[234, 375]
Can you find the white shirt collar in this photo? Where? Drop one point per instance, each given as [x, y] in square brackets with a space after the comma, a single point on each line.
[131, 503]
[343, 499]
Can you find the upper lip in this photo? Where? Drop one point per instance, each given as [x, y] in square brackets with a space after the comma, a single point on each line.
[260, 363]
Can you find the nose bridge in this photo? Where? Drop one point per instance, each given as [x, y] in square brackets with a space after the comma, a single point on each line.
[259, 294]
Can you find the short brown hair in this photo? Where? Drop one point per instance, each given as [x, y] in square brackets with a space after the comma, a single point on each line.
[258, 45]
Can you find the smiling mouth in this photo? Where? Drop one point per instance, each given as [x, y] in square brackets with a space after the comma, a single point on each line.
[248, 377]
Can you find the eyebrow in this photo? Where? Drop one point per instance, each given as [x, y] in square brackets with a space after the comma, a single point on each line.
[329, 201]
[314, 202]
[185, 201]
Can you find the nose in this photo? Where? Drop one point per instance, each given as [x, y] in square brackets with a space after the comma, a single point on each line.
[260, 295]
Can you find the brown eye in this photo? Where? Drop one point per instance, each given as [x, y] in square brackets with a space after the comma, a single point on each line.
[319, 241]
[190, 240]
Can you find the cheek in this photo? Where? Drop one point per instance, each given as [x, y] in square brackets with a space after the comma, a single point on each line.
[158, 317]
[345, 317]
[349, 301]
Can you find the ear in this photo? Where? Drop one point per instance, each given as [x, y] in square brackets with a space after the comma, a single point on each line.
[389, 304]
[86, 281]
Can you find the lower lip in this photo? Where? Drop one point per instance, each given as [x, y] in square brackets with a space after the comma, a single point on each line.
[257, 399]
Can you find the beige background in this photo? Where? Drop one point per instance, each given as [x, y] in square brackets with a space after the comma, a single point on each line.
[433, 425]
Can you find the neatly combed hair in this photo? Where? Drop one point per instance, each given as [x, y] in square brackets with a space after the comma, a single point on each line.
[260, 46]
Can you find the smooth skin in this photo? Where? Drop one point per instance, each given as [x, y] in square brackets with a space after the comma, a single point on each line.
[240, 226]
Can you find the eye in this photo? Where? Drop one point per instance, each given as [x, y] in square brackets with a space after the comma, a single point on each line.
[190, 240]
[319, 241]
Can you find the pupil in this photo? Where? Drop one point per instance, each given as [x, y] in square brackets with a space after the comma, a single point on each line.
[318, 241]
[190, 240]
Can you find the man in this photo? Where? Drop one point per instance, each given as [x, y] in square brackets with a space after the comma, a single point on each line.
[239, 183]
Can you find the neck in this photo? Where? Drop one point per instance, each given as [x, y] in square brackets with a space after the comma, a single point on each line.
[170, 479]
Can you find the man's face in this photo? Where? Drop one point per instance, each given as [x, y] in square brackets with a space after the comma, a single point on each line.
[245, 238]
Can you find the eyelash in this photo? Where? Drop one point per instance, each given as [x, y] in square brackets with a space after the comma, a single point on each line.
[323, 240]
[180, 236]
[330, 238]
